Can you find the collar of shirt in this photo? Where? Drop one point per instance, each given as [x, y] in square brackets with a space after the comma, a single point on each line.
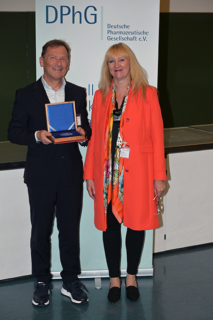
[54, 96]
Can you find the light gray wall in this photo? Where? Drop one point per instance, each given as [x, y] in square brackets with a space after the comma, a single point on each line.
[17, 5]
[186, 218]
[190, 5]
[14, 225]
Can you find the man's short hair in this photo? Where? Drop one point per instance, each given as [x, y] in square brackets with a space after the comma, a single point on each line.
[56, 43]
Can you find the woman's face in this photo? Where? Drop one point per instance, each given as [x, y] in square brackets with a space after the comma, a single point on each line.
[119, 67]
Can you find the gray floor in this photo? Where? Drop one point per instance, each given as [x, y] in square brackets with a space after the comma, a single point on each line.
[181, 289]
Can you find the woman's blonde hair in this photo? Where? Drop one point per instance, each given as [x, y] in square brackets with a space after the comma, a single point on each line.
[138, 75]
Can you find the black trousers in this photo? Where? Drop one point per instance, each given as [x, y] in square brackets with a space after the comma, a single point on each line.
[67, 200]
[112, 246]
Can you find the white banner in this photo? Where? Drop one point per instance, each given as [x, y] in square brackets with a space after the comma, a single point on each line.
[90, 28]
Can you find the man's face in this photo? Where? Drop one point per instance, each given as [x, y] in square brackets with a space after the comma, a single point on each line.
[55, 63]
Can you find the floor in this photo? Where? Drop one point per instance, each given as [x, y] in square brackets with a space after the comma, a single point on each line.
[181, 289]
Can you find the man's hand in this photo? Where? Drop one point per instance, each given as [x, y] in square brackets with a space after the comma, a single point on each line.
[159, 187]
[81, 131]
[91, 188]
[42, 136]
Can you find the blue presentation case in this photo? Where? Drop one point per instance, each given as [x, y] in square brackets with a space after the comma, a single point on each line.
[62, 122]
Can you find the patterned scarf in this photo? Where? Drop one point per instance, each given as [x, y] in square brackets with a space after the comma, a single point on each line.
[114, 191]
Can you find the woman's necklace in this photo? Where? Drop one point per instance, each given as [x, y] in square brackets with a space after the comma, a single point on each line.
[117, 112]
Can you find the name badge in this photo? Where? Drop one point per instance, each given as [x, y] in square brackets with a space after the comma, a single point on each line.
[116, 118]
[125, 152]
[78, 118]
[117, 114]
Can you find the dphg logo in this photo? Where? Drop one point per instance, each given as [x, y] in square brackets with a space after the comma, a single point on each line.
[66, 12]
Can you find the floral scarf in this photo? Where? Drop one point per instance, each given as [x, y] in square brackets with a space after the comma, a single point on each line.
[113, 189]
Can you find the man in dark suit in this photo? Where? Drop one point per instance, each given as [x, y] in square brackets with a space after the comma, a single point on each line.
[53, 173]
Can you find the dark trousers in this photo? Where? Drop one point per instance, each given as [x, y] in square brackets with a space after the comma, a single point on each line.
[67, 200]
[112, 246]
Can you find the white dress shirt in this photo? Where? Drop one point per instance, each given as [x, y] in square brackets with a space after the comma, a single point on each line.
[53, 96]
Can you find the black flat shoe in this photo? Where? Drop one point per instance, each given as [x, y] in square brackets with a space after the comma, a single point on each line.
[114, 294]
[132, 293]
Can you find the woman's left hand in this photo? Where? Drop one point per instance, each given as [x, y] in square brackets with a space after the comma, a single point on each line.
[81, 130]
[159, 187]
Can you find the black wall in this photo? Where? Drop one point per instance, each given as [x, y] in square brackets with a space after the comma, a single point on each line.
[186, 68]
[17, 56]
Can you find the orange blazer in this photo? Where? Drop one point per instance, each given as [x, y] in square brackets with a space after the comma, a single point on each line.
[143, 133]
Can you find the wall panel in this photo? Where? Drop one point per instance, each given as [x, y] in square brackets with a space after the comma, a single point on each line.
[17, 60]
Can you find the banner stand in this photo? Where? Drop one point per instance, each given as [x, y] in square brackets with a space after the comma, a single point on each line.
[90, 29]
[98, 274]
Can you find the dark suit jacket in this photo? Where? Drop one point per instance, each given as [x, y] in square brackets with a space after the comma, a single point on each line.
[46, 164]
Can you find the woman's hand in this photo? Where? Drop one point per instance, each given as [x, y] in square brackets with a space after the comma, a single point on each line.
[91, 188]
[159, 187]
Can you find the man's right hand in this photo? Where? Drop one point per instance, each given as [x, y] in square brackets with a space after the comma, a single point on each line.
[43, 136]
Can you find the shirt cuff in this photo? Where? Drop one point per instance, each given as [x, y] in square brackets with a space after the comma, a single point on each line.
[37, 141]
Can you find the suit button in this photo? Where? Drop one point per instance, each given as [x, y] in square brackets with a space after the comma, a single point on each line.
[59, 157]
[127, 119]
[62, 157]
[127, 170]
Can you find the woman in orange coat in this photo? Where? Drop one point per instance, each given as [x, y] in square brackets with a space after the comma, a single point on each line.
[125, 166]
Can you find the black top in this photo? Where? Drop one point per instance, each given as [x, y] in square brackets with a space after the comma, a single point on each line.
[115, 129]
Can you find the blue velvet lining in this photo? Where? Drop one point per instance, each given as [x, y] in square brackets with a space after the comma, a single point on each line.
[61, 116]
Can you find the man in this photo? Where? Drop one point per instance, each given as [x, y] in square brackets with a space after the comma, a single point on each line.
[53, 173]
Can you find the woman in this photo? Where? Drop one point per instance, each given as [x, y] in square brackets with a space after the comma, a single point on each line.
[124, 166]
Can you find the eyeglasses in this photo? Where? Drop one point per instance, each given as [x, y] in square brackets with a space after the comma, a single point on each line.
[156, 198]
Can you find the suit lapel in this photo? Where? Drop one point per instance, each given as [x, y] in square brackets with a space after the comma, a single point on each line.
[40, 93]
[68, 93]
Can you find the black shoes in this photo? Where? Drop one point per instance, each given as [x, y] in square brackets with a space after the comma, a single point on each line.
[74, 290]
[132, 293]
[41, 294]
[114, 294]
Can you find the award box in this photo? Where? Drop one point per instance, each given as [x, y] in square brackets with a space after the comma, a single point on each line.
[62, 122]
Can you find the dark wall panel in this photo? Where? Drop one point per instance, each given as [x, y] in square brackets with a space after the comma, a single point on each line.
[17, 56]
[186, 68]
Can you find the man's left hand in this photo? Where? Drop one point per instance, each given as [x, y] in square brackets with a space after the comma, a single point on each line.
[81, 131]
